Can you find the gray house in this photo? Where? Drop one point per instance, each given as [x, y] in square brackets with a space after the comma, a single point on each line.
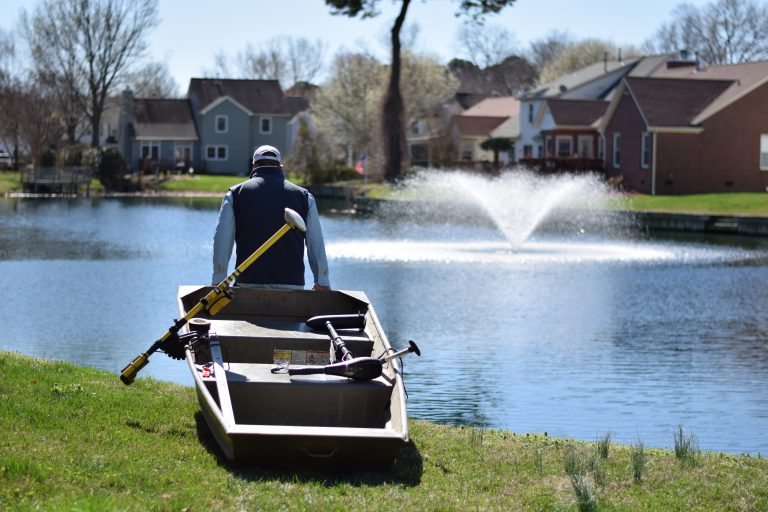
[214, 129]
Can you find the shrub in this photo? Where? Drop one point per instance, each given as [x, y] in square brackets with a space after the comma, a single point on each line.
[72, 156]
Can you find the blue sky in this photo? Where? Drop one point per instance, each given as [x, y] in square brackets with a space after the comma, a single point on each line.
[191, 32]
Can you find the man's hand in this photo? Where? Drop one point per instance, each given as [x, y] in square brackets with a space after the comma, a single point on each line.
[321, 288]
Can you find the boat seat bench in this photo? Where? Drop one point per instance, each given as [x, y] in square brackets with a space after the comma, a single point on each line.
[260, 397]
[256, 340]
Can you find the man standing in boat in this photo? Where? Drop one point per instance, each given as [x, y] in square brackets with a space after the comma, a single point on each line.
[252, 211]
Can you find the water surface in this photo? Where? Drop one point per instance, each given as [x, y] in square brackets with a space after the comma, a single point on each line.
[574, 331]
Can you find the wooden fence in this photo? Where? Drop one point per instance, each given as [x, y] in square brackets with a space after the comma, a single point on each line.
[57, 180]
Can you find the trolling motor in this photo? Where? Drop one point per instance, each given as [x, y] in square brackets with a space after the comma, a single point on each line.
[357, 368]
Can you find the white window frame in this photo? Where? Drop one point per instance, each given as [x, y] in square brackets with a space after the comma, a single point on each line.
[216, 148]
[764, 152]
[261, 124]
[616, 150]
[645, 150]
[589, 142]
[150, 144]
[558, 139]
[223, 117]
[182, 147]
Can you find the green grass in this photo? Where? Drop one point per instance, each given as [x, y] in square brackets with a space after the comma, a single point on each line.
[743, 203]
[199, 183]
[10, 181]
[77, 439]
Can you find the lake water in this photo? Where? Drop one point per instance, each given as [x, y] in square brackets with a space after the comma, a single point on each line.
[574, 331]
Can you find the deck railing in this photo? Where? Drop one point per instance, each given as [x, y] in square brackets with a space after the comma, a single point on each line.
[57, 180]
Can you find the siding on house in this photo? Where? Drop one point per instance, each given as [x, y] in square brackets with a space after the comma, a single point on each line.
[627, 121]
[236, 139]
[725, 157]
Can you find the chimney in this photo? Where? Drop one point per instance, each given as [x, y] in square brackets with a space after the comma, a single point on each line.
[620, 61]
[605, 61]
[696, 60]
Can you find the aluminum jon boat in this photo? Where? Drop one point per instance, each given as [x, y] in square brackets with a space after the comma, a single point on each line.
[260, 417]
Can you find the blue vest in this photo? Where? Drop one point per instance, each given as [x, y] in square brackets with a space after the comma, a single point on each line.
[259, 205]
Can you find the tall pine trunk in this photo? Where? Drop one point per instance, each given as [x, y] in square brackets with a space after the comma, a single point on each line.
[394, 132]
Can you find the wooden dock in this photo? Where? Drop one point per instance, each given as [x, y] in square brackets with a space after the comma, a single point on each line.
[57, 180]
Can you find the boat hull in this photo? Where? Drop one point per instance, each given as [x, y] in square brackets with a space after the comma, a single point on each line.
[261, 418]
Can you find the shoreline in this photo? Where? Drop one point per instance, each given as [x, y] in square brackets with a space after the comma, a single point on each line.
[734, 224]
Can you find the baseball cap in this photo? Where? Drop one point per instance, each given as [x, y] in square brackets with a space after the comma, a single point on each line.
[266, 153]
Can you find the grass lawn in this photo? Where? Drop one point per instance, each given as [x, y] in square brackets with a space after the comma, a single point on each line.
[10, 181]
[77, 439]
[743, 203]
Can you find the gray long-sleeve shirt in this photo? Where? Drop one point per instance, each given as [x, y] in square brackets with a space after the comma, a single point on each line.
[224, 241]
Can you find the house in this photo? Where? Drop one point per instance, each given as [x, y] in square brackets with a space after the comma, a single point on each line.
[568, 129]
[491, 118]
[157, 133]
[215, 128]
[690, 130]
[595, 82]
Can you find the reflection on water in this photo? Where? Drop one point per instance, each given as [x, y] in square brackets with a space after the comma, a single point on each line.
[573, 334]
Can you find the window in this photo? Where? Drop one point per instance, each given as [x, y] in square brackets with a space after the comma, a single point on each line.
[265, 126]
[564, 144]
[645, 150]
[617, 150]
[601, 147]
[540, 151]
[216, 152]
[222, 124]
[586, 146]
[548, 143]
[182, 153]
[764, 152]
[150, 150]
[527, 151]
[530, 113]
[466, 152]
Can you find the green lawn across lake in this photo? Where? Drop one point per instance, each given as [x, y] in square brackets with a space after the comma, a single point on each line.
[78, 439]
[737, 203]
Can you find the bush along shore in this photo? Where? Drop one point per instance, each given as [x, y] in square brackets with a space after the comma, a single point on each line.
[77, 439]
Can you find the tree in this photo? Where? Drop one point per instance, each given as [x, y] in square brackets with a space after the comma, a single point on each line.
[393, 119]
[90, 44]
[722, 32]
[486, 46]
[546, 49]
[12, 104]
[497, 145]
[153, 80]
[347, 107]
[286, 59]
[583, 53]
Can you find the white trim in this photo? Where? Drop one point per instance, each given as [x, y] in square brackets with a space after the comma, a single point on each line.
[653, 166]
[216, 147]
[225, 117]
[150, 145]
[763, 151]
[160, 139]
[261, 126]
[221, 100]
[616, 163]
[683, 130]
[645, 164]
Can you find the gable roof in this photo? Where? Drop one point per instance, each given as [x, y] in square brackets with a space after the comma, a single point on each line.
[671, 102]
[156, 119]
[257, 96]
[581, 77]
[576, 112]
[477, 126]
[500, 106]
[745, 77]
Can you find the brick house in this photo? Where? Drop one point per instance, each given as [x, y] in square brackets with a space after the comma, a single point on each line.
[689, 130]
